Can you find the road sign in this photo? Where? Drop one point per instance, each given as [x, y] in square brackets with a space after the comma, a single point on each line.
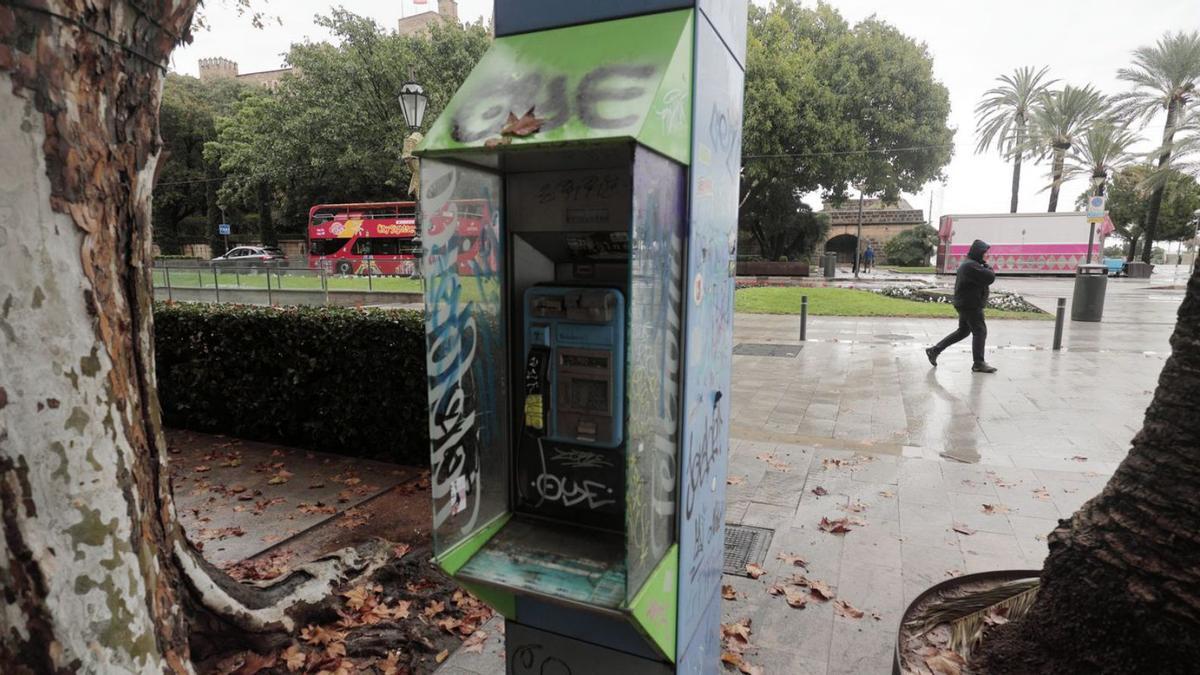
[1095, 209]
[223, 229]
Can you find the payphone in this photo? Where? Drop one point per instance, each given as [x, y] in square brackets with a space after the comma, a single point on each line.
[578, 364]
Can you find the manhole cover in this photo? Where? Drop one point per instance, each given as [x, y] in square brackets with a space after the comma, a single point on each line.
[766, 349]
[745, 544]
[893, 336]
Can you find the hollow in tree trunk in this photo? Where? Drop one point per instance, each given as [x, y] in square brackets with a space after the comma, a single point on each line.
[97, 574]
[1120, 590]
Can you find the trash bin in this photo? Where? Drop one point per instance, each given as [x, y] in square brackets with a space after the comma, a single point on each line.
[830, 265]
[1087, 304]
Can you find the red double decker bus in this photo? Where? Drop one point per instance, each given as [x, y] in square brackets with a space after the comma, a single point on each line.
[376, 238]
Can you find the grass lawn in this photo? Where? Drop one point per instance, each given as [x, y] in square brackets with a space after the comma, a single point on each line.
[850, 302]
[909, 270]
[287, 280]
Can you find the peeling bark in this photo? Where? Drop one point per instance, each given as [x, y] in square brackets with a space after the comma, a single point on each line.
[1120, 590]
[97, 574]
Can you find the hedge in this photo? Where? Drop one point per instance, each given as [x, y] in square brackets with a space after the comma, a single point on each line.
[343, 380]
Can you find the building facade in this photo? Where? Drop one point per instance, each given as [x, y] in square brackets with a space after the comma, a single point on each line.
[880, 222]
[447, 10]
[218, 67]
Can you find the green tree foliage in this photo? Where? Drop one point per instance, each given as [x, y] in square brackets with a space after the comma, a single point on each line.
[1165, 78]
[832, 107]
[1128, 202]
[912, 248]
[1002, 118]
[334, 130]
[780, 222]
[187, 182]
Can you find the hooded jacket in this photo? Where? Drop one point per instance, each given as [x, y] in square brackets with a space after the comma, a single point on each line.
[974, 277]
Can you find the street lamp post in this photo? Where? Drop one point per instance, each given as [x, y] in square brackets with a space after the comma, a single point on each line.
[413, 103]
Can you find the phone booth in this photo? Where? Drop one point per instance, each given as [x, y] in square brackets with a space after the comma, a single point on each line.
[578, 206]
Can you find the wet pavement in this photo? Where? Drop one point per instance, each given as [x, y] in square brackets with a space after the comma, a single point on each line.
[949, 472]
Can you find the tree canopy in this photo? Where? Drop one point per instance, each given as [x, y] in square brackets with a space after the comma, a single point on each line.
[834, 107]
[1128, 204]
[333, 131]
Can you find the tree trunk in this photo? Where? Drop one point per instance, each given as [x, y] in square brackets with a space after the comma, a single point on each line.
[266, 226]
[1156, 197]
[97, 574]
[1120, 590]
[1056, 179]
[1133, 240]
[1016, 179]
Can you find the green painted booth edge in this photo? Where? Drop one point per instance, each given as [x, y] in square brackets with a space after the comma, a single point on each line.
[658, 114]
[453, 559]
[654, 606]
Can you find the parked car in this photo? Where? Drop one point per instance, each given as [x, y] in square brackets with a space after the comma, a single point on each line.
[1116, 266]
[252, 256]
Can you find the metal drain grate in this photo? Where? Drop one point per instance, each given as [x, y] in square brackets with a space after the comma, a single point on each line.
[745, 544]
[766, 349]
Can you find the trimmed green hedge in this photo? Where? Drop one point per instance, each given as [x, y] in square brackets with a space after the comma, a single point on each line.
[350, 381]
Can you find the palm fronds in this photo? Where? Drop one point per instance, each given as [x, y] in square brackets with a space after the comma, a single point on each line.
[966, 632]
[949, 610]
[1004, 111]
[1165, 72]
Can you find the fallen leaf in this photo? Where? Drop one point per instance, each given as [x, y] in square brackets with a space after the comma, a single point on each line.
[280, 478]
[793, 559]
[311, 509]
[294, 657]
[1079, 458]
[521, 126]
[739, 630]
[401, 550]
[776, 589]
[728, 593]
[356, 597]
[820, 590]
[755, 570]
[434, 608]
[1041, 493]
[316, 486]
[993, 509]
[963, 529]
[253, 662]
[391, 665]
[474, 644]
[731, 658]
[847, 610]
[945, 662]
[795, 597]
[336, 650]
[749, 669]
[887, 494]
[442, 655]
[996, 616]
[857, 507]
[820, 491]
[449, 624]
[837, 526]
[202, 469]
[320, 635]
[496, 141]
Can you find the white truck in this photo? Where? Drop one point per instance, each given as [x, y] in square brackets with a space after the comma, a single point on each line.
[1021, 243]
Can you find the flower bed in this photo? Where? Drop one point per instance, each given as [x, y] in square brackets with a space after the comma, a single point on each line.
[1005, 300]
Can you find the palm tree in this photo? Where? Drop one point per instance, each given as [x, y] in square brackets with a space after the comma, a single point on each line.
[1164, 77]
[1003, 116]
[1059, 121]
[1103, 150]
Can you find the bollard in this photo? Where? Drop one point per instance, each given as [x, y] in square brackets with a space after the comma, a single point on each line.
[270, 302]
[200, 276]
[167, 273]
[803, 318]
[237, 275]
[370, 284]
[1059, 314]
[216, 285]
[325, 285]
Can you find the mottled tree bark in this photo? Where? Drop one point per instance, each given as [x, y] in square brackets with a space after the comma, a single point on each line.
[96, 572]
[1120, 590]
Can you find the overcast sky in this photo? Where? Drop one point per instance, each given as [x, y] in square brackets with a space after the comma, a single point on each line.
[971, 43]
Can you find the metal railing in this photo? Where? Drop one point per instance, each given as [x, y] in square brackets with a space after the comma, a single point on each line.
[184, 277]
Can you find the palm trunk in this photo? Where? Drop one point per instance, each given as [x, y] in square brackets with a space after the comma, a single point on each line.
[1016, 176]
[1156, 197]
[1059, 156]
[98, 576]
[1120, 590]
[1132, 249]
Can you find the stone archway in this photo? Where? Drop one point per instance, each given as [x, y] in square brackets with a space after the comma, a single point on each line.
[844, 246]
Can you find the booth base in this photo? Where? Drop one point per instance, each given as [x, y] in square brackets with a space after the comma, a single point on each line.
[552, 560]
[529, 651]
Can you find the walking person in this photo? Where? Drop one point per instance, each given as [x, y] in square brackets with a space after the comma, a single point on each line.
[970, 297]
[868, 258]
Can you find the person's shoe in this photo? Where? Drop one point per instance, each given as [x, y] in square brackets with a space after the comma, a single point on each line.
[983, 367]
[932, 354]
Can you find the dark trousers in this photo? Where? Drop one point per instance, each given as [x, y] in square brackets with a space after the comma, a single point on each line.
[970, 322]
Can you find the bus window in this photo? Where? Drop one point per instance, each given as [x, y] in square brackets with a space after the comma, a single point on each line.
[378, 246]
[322, 217]
[326, 246]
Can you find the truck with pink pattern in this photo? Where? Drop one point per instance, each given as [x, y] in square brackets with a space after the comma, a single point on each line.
[1022, 243]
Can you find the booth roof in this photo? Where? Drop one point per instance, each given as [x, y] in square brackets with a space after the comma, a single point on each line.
[626, 78]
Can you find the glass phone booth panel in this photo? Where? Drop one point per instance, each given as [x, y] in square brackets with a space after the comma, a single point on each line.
[466, 357]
